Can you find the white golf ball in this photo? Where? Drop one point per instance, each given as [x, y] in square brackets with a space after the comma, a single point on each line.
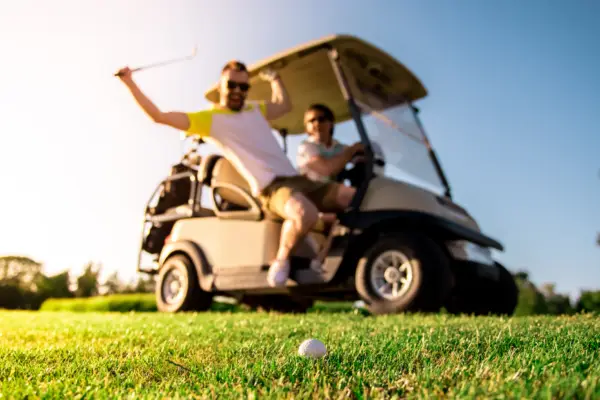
[312, 348]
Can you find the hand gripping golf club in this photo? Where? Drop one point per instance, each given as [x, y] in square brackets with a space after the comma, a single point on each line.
[162, 63]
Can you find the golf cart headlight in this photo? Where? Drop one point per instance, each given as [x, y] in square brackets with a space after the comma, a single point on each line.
[468, 251]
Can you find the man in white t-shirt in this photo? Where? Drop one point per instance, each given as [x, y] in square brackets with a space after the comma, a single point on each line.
[244, 135]
[320, 157]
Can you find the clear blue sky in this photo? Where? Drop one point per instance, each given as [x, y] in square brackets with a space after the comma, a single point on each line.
[513, 112]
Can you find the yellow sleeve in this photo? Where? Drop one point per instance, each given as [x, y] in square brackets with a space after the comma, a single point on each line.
[263, 108]
[200, 123]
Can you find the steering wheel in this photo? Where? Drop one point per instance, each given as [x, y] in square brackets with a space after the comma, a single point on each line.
[356, 174]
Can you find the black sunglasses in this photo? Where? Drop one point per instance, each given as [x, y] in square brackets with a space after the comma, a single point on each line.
[243, 86]
[320, 118]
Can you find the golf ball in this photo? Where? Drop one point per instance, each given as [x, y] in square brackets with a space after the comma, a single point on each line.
[312, 348]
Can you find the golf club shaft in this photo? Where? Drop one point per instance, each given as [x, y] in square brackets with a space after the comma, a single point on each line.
[161, 63]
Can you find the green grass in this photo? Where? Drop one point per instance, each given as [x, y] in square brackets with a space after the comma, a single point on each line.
[241, 355]
[146, 302]
[114, 302]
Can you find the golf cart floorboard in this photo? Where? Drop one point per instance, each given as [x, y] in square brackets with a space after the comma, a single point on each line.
[259, 281]
[241, 278]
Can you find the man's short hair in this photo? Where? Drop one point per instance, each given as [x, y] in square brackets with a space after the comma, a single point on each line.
[326, 111]
[234, 65]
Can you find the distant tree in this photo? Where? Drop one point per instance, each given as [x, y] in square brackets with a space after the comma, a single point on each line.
[11, 297]
[87, 282]
[589, 301]
[20, 271]
[57, 286]
[141, 284]
[145, 284]
[556, 303]
[112, 284]
[20, 282]
[531, 300]
[522, 275]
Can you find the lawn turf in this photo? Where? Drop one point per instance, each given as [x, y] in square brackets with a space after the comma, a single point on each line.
[245, 355]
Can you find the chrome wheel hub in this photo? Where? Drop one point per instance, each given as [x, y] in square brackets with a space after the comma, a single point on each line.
[172, 287]
[391, 274]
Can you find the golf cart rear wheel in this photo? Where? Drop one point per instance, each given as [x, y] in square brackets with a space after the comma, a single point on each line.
[177, 287]
[403, 273]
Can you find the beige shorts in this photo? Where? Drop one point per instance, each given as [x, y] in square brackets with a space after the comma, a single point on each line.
[322, 194]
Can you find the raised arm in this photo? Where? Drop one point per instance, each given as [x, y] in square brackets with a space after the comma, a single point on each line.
[280, 103]
[177, 120]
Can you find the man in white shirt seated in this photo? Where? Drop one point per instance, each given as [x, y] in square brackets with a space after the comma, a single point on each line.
[320, 157]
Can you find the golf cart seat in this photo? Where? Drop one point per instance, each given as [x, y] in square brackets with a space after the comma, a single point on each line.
[231, 193]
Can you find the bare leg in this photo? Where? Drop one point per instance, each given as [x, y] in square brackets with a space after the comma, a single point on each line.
[300, 215]
[343, 198]
[317, 263]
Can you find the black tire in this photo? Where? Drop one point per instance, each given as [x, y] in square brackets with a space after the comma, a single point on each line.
[192, 297]
[431, 275]
[479, 295]
[278, 303]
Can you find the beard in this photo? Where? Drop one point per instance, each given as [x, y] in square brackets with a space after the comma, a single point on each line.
[235, 101]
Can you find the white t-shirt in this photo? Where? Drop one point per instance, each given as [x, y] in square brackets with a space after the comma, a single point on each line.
[246, 140]
[310, 148]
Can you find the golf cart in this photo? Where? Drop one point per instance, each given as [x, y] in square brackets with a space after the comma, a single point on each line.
[400, 246]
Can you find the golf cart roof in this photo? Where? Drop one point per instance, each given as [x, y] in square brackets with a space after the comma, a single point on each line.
[376, 79]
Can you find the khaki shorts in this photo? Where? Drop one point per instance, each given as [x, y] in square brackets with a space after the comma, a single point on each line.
[278, 192]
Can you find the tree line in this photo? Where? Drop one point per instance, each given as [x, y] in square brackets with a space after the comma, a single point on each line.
[23, 285]
[544, 300]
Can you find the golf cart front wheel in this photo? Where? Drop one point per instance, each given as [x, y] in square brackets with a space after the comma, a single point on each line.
[403, 273]
[177, 287]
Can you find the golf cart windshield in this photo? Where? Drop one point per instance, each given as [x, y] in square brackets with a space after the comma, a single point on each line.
[395, 133]
[398, 134]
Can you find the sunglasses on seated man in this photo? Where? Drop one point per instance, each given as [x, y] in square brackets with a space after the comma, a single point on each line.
[319, 118]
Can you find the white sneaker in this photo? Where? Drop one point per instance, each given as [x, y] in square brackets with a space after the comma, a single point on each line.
[278, 273]
[316, 266]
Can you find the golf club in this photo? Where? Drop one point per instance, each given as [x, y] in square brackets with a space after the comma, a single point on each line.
[159, 64]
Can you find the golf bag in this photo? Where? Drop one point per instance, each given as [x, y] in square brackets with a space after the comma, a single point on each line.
[173, 194]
